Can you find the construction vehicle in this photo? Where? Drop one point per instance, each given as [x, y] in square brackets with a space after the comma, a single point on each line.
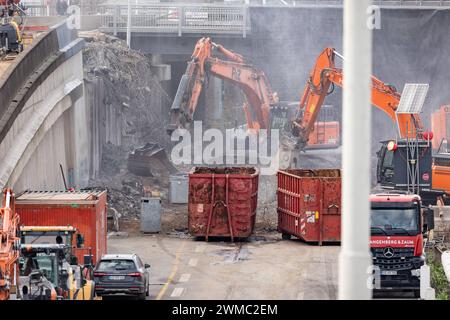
[10, 33]
[49, 268]
[404, 164]
[9, 245]
[322, 79]
[258, 95]
[398, 226]
[262, 107]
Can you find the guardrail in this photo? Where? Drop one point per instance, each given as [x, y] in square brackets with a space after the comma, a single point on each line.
[179, 19]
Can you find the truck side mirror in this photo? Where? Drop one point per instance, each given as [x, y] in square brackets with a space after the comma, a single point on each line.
[430, 219]
[80, 241]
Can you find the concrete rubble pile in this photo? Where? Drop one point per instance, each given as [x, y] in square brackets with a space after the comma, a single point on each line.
[133, 97]
[131, 104]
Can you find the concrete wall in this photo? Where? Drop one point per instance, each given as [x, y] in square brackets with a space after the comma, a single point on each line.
[50, 130]
[52, 127]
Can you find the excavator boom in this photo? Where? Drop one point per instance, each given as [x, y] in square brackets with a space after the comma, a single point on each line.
[254, 84]
[323, 76]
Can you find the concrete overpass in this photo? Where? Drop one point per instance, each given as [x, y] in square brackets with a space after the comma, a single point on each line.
[43, 117]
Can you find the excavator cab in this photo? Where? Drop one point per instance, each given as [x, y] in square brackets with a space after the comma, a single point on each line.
[326, 130]
[48, 275]
[10, 38]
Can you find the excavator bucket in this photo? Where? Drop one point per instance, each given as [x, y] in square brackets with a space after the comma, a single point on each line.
[151, 158]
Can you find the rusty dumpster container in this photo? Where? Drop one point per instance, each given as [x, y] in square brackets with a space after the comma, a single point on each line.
[309, 204]
[84, 210]
[222, 201]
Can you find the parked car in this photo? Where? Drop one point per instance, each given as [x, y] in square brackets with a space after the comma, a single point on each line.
[121, 274]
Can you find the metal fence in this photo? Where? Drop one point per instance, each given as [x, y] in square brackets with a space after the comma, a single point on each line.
[179, 19]
[227, 18]
[38, 10]
[339, 3]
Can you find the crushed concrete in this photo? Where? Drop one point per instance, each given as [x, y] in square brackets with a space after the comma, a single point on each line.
[133, 100]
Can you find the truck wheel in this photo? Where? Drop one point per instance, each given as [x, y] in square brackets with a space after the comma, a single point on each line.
[285, 236]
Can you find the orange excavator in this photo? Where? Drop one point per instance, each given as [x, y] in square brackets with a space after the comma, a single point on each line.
[324, 76]
[406, 163]
[9, 245]
[258, 95]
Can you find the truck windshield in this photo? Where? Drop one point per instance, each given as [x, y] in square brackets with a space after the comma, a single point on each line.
[394, 221]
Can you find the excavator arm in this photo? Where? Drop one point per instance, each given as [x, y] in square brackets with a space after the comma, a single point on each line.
[254, 84]
[323, 76]
[9, 245]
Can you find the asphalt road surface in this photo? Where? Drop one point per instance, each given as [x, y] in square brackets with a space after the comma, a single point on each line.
[262, 268]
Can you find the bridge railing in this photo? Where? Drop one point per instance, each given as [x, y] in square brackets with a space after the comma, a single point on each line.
[324, 3]
[176, 18]
[41, 10]
[44, 10]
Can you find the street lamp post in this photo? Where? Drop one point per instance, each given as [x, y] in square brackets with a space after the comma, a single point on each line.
[354, 259]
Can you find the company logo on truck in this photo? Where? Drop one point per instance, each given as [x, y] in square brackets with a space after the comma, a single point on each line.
[394, 242]
[388, 252]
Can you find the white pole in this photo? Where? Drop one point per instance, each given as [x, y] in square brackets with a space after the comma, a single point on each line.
[354, 259]
[129, 25]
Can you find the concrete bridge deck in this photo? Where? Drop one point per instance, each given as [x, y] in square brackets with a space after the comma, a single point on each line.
[42, 112]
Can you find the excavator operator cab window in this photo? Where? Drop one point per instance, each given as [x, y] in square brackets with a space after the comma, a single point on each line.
[385, 166]
[46, 263]
[388, 159]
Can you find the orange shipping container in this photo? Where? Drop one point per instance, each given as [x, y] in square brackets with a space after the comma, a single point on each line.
[84, 210]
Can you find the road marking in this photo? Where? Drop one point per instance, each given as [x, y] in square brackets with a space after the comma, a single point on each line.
[193, 262]
[177, 292]
[174, 271]
[200, 248]
[185, 277]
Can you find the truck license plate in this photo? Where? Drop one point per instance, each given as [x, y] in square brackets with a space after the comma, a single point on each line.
[116, 277]
[388, 272]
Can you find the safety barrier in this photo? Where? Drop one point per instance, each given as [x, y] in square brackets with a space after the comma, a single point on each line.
[177, 19]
